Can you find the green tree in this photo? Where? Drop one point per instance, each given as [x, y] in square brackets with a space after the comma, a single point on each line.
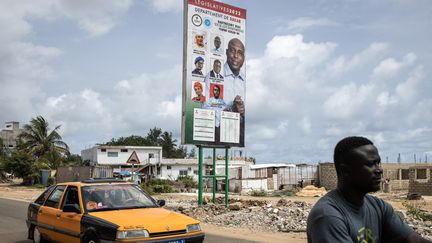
[22, 165]
[132, 140]
[38, 140]
[191, 153]
[74, 160]
[154, 137]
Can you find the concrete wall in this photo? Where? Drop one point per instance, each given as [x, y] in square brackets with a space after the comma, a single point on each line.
[327, 176]
[113, 155]
[174, 172]
[421, 186]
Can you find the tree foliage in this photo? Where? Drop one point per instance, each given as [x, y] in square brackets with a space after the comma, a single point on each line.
[22, 165]
[39, 141]
[155, 137]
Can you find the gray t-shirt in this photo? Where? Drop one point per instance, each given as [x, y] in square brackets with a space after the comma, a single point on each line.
[334, 219]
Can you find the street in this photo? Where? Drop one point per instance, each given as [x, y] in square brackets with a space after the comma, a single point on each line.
[14, 230]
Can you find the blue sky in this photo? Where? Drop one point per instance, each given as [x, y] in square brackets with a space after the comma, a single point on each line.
[316, 70]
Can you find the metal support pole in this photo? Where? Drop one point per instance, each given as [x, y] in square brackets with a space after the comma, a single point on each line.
[200, 175]
[214, 175]
[226, 177]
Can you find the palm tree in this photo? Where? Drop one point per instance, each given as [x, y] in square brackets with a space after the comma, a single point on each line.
[39, 141]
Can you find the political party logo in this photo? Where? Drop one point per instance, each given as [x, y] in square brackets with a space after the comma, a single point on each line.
[196, 20]
[207, 22]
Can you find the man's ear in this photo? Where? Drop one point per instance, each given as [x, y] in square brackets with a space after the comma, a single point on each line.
[345, 169]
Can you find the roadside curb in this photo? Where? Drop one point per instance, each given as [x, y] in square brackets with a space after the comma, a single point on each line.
[16, 199]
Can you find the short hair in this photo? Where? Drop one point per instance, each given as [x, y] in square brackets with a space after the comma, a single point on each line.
[344, 147]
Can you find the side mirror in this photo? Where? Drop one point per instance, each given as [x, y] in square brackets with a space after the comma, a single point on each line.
[161, 203]
[71, 208]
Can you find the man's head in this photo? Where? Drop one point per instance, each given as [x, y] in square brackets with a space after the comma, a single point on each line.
[217, 42]
[199, 40]
[235, 55]
[217, 66]
[198, 88]
[357, 164]
[199, 63]
[216, 91]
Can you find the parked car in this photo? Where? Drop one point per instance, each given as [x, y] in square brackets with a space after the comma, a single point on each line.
[106, 210]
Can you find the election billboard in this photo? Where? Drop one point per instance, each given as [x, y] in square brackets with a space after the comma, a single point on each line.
[214, 74]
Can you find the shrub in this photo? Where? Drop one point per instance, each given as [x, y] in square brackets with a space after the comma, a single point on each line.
[258, 193]
[187, 181]
[159, 186]
[51, 180]
[416, 210]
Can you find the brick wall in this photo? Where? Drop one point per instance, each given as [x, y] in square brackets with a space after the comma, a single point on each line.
[327, 176]
[420, 186]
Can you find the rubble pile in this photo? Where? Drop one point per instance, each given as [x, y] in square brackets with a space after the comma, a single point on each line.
[261, 215]
[285, 216]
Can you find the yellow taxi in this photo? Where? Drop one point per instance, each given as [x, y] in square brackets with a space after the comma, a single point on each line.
[106, 210]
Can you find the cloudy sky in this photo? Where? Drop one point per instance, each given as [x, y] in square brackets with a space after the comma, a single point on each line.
[317, 71]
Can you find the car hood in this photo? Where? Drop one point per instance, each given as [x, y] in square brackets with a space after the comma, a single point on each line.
[151, 219]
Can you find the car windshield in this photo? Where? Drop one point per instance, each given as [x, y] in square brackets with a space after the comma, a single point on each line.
[113, 197]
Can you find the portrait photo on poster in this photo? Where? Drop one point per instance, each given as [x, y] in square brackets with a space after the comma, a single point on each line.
[198, 91]
[216, 71]
[217, 46]
[200, 40]
[198, 68]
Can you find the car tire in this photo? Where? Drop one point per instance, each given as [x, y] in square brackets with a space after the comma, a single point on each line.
[37, 238]
[90, 238]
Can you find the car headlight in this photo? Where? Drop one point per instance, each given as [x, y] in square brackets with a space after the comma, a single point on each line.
[193, 228]
[129, 234]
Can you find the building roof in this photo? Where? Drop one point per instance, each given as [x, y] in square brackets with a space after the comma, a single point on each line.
[262, 166]
[126, 147]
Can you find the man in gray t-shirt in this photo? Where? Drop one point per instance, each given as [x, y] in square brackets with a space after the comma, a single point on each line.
[349, 214]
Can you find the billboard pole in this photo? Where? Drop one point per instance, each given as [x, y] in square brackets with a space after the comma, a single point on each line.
[200, 174]
[214, 175]
[226, 176]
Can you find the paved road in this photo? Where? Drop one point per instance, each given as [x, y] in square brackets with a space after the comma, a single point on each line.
[13, 227]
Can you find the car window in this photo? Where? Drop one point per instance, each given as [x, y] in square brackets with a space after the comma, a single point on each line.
[118, 196]
[71, 197]
[54, 199]
[41, 199]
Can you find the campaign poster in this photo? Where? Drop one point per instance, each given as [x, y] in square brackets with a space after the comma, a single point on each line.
[214, 74]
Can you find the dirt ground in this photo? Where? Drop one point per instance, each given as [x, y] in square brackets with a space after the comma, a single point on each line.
[27, 194]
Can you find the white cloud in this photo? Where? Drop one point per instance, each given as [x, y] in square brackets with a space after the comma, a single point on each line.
[164, 6]
[303, 23]
[390, 67]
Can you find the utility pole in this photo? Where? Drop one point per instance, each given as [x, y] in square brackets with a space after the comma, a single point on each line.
[399, 158]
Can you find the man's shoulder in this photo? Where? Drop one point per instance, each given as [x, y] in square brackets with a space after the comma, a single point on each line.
[328, 205]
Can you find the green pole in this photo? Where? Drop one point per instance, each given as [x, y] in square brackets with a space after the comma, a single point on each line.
[214, 175]
[226, 177]
[200, 174]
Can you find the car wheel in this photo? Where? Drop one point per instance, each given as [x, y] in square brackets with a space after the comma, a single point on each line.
[37, 238]
[90, 238]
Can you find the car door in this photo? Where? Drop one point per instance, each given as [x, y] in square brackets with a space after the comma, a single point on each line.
[47, 214]
[69, 223]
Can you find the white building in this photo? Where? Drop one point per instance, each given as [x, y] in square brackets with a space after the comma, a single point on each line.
[122, 156]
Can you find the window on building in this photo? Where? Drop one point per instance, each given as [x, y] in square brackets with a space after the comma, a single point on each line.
[103, 150]
[10, 146]
[112, 154]
[123, 150]
[189, 168]
[151, 156]
[404, 174]
[183, 172]
[168, 167]
[195, 172]
[421, 174]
